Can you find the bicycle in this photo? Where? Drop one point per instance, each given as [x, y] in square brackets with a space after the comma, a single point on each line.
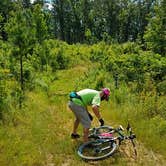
[105, 140]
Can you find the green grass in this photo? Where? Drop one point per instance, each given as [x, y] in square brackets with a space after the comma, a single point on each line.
[39, 135]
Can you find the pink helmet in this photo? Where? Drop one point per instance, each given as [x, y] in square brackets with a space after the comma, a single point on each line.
[106, 92]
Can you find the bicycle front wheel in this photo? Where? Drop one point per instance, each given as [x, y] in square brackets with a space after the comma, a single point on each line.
[97, 149]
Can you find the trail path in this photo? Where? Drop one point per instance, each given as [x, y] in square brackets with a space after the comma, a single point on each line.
[124, 155]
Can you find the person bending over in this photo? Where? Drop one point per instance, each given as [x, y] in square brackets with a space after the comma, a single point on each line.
[78, 104]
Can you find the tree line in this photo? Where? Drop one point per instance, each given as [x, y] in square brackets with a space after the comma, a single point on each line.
[28, 36]
[90, 21]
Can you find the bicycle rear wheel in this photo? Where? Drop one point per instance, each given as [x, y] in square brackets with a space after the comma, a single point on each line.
[97, 149]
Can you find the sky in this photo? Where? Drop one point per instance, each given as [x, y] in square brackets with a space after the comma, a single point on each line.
[47, 4]
[48, 1]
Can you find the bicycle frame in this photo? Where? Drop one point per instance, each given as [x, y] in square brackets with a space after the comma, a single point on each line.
[118, 130]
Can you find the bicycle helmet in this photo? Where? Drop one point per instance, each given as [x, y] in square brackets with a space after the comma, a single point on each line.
[106, 92]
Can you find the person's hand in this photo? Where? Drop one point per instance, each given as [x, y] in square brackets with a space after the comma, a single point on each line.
[101, 122]
[90, 116]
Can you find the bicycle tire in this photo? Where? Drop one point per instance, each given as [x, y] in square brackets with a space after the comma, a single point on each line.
[94, 146]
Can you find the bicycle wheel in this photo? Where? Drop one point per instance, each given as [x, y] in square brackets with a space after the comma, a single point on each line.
[97, 149]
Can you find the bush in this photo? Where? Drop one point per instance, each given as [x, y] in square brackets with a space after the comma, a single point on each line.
[161, 87]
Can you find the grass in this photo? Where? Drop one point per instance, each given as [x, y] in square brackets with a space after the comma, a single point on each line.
[39, 135]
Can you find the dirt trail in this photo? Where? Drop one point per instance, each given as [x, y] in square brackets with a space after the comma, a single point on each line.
[144, 157]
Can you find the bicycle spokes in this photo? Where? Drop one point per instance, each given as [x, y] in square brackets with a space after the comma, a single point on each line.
[95, 150]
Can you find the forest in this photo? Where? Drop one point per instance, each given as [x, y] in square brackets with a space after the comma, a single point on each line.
[45, 54]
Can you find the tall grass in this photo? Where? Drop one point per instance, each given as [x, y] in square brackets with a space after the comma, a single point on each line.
[39, 134]
[144, 115]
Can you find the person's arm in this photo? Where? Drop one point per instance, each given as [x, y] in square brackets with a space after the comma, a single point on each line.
[97, 113]
[95, 109]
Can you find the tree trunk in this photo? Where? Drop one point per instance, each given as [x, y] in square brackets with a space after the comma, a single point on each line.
[21, 80]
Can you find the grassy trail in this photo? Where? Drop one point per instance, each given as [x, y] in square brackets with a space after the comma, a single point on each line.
[123, 157]
[41, 133]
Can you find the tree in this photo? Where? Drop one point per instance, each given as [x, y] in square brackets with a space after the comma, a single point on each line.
[87, 18]
[59, 18]
[76, 20]
[5, 8]
[40, 23]
[21, 33]
[26, 3]
[155, 35]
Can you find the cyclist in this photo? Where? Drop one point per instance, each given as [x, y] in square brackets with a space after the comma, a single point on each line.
[78, 104]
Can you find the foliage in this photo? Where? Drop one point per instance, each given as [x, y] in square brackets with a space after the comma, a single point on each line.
[22, 35]
[40, 23]
[3, 95]
[156, 32]
[89, 21]
[124, 63]
[135, 65]
[44, 123]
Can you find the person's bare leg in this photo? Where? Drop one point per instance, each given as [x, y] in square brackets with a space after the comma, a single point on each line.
[75, 127]
[86, 133]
